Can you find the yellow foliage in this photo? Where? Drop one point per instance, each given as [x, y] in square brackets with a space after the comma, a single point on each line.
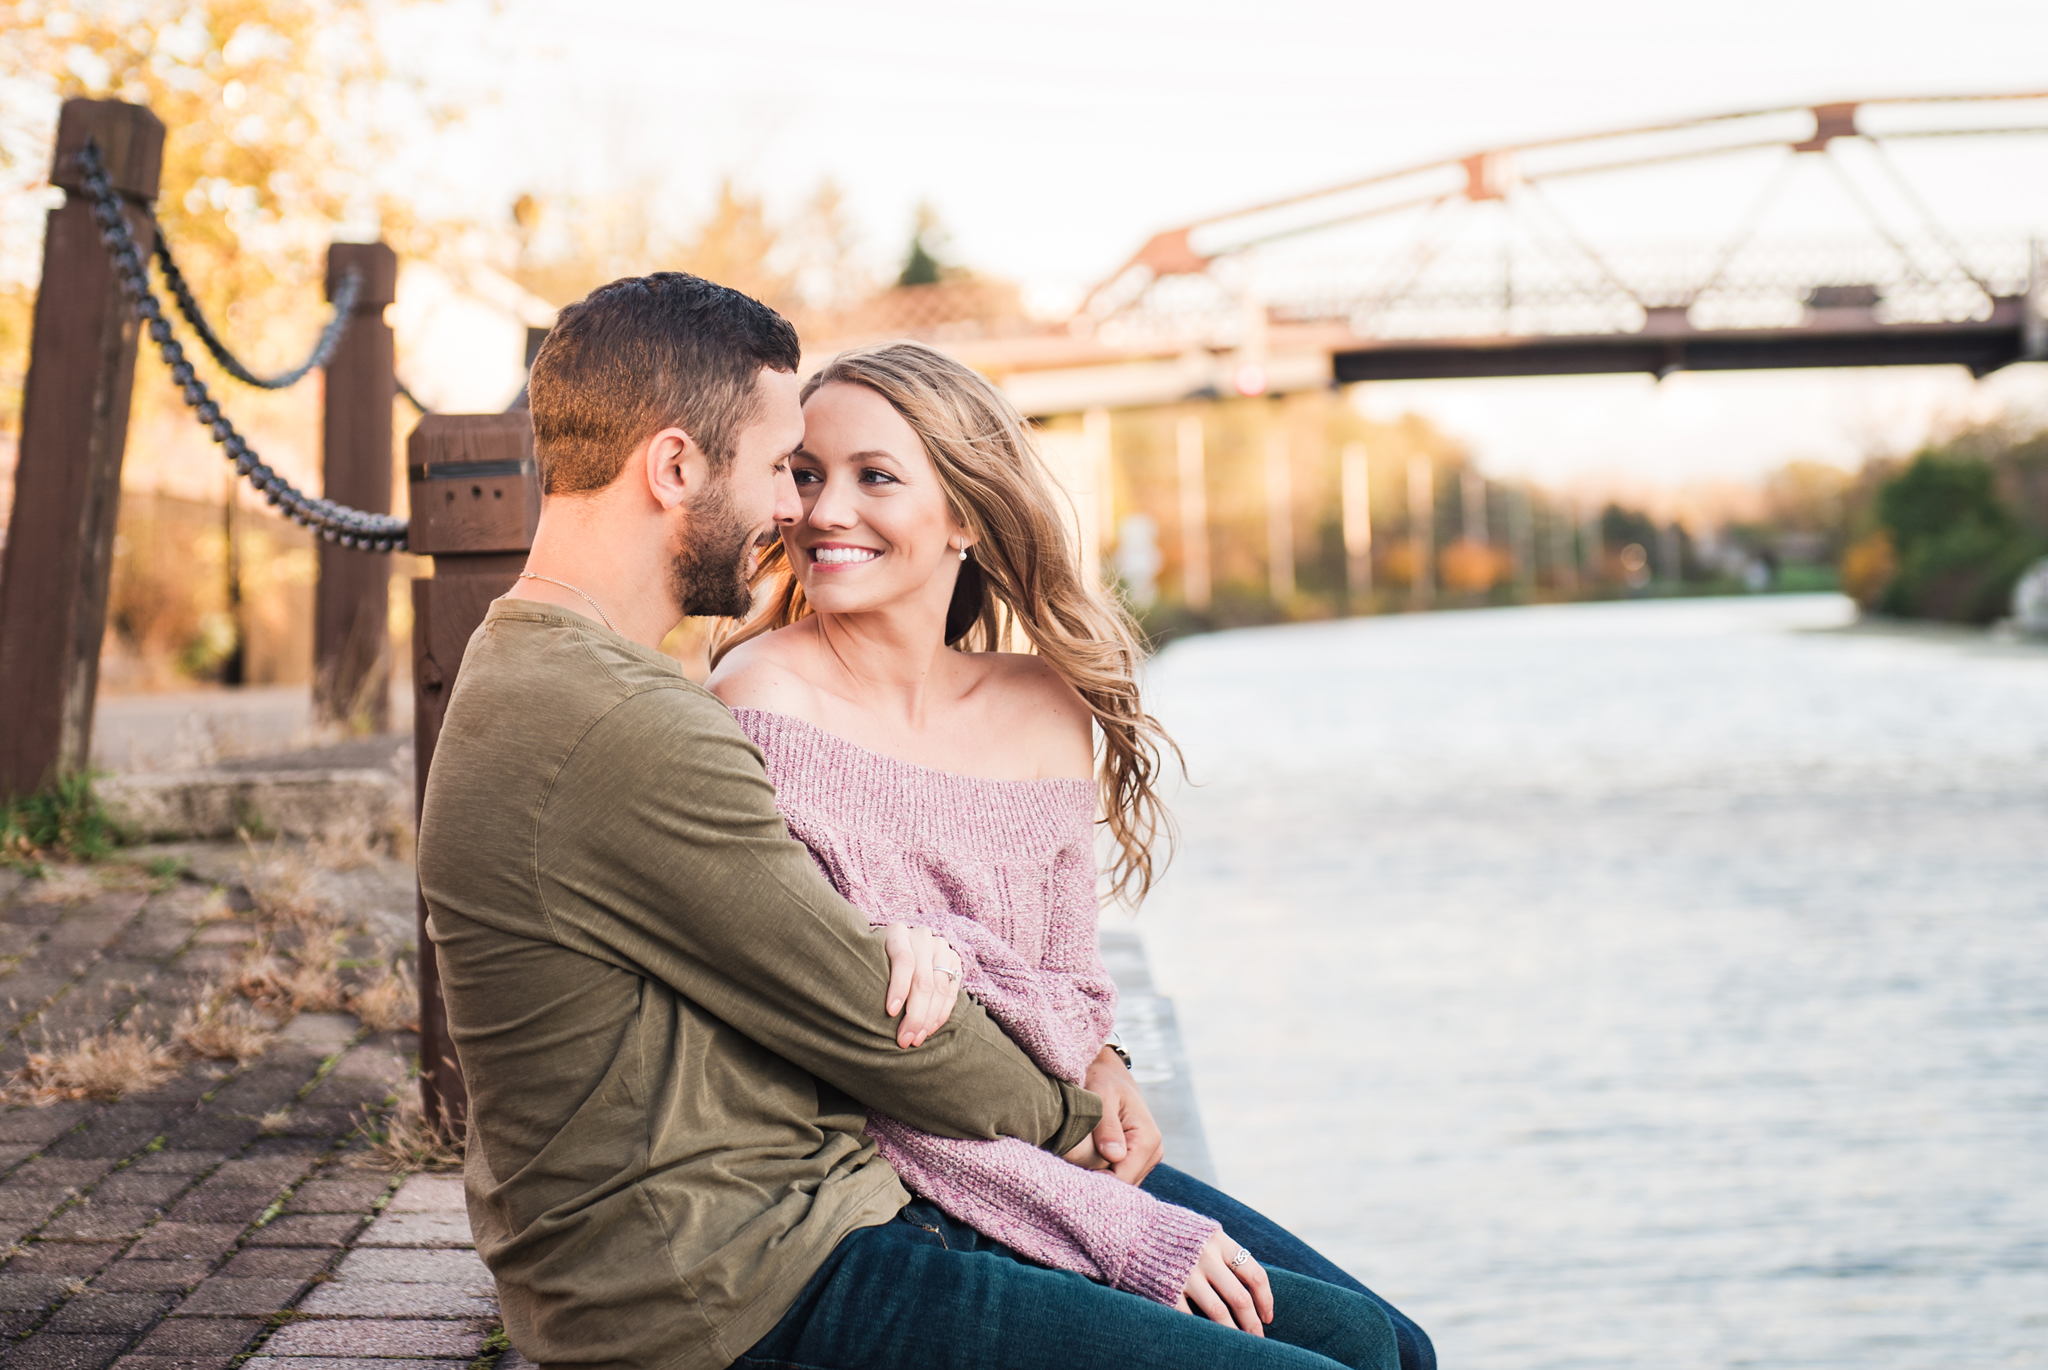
[1473, 567]
[1868, 565]
[269, 150]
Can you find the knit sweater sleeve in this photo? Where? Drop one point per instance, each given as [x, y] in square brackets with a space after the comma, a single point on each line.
[1060, 1008]
[1049, 1211]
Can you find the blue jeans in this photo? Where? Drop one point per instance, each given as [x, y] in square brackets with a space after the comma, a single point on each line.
[926, 1290]
[1274, 1247]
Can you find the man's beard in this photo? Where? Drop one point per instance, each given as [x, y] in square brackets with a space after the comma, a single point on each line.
[711, 569]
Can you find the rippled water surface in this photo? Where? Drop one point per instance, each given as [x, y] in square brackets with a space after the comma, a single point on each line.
[1658, 985]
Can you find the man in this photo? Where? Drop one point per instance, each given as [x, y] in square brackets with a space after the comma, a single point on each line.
[671, 1027]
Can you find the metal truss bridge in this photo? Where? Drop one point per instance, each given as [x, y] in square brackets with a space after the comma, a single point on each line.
[1654, 249]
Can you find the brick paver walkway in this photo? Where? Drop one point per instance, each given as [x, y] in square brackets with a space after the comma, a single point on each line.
[226, 1218]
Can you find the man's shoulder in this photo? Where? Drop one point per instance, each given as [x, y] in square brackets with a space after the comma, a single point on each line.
[533, 660]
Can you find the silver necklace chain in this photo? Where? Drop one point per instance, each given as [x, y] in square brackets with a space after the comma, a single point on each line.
[529, 575]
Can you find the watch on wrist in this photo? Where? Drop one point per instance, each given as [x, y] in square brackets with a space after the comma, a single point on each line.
[1121, 1054]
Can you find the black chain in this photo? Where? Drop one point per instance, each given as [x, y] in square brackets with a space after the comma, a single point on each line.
[334, 522]
[323, 351]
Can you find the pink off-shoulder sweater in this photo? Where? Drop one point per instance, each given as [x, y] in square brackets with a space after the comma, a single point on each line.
[1004, 870]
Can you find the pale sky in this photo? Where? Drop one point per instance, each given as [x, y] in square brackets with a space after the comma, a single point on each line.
[1054, 138]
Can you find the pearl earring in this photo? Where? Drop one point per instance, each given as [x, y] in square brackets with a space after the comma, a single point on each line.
[963, 554]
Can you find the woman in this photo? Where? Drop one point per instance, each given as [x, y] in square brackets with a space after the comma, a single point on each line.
[948, 786]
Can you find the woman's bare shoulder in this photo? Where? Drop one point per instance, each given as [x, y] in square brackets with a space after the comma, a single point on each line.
[1036, 703]
[763, 674]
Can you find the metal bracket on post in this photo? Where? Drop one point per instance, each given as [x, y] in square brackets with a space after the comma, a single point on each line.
[475, 504]
[74, 427]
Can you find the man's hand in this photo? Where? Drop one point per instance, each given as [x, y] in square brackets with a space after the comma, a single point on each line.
[1127, 1142]
[924, 982]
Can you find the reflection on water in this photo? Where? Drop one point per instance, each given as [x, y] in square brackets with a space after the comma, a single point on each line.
[1648, 985]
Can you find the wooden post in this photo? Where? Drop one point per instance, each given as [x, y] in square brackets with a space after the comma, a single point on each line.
[74, 427]
[352, 606]
[475, 502]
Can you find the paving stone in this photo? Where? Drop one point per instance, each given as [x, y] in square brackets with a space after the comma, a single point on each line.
[325, 1032]
[19, 1293]
[15, 1153]
[32, 1200]
[169, 1162]
[14, 1324]
[264, 1172]
[139, 1187]
[12, 1230]
[185, 1241]
[358, 1299]
[512, 1360]
[257, 1297]
[366, 1339]
[306, 1229]
[170, 1276]
[55, 1171]
[347, 1363]
[418, 1229]
[352, 1195]
[430, 1194]
[277, 1263]
[48, 1352]
[213, 1131]
[91, 1222]
[317, 1122]
[464, 1269]
[96, 1311]
[111, 1142]
[63, 1258]
[175, 1334]
[307, 1154]
[212, 1204]
[193, 1362]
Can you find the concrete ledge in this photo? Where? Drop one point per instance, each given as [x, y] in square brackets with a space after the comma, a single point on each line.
[215, 803]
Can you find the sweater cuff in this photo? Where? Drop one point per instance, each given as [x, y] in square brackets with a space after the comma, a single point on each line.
[1167, 1252]
[1084, 1111]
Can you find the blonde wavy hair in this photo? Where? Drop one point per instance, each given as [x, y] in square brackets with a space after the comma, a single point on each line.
[1023, 580]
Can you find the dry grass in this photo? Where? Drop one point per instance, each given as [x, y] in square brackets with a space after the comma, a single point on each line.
[285, 986]
[118, 1061]
[349, 845]
[390, 1002]
[222, 1028]
[404, 1138]
[281, 884]
[275, 1121]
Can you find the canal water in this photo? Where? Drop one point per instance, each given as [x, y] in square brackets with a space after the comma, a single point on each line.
[1658, 985]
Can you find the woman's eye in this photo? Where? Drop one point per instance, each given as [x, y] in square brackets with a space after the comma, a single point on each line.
[803, 477]
[870, 476]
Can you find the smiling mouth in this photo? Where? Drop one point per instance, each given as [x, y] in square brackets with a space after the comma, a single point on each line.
[842, 556]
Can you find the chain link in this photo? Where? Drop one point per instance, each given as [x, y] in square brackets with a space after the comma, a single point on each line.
[323, 351]
[334, 522]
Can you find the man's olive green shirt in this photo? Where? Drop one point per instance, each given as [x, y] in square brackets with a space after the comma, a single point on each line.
[670, 1025]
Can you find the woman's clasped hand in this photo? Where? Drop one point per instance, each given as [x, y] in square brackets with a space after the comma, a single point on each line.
[1226, 1285]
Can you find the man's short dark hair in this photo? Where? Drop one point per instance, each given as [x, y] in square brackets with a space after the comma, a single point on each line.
[643, 354]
